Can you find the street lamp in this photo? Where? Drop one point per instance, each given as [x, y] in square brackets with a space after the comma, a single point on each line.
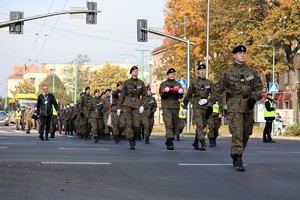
[273, 67]
[53, 77]
[207, 37]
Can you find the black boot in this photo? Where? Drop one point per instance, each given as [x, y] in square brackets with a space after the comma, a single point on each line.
[196, 144]
[96, 139]
[215, 142]
[46, 138]
[169, 144]
[117, 140]
[147, 140]
[211, 142]
[234, 159]
[203, 145]
[178, 137]
[107, 137]
[132, 143]
[239, 164]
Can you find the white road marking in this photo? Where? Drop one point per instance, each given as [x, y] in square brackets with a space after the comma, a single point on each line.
[205, 164]
[83, 149]
[76, 163]
[3, 147]
[280, 152]
[195, 151]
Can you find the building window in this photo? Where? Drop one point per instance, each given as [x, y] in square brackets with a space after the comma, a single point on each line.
[19, 75]
[285, 105]
[297, 75]
[286, 78]
[32, 80]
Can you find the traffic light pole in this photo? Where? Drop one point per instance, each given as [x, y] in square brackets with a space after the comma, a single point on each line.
[188, 43]
[5, 24]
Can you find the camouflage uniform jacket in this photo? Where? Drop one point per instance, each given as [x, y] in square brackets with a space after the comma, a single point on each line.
[115, 97]
[84, 103]
[170, 100]
[241, 83]
[150, 107]
[132, 94]
[106, 105]
[201, 88]
[96, 107]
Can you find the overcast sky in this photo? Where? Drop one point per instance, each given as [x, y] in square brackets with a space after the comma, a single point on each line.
[59, 39]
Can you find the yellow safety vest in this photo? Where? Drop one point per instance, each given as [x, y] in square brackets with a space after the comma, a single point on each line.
[18, 114]
[269, 113]
[54, 112]
[180, 113]
[216, 108]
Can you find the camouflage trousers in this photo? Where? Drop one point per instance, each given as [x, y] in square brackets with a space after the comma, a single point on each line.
[28, 125]
[240, 127]
[118, 123]
[214, 123]
[181, 126]
[133, 122]
[171, 118]
[96, 126]
[107, 129]
[145, 125]
[201, 123]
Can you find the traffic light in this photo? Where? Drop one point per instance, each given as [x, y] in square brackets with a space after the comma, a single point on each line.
[142, 35]
[16, 28]
[91, 17]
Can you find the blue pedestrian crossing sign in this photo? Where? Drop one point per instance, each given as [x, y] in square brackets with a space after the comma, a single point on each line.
[273, 87]
[182, 82]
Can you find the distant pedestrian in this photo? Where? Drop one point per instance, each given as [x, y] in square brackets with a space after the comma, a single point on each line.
[269, 114]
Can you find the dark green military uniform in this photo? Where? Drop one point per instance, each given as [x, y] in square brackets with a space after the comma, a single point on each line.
[244, 88]
[170, 107]
[115, 118]
[214, 123]
[199, 92]
[96, 117]
[83, 107]
[132, 98]
[106, 113]
[148, 116]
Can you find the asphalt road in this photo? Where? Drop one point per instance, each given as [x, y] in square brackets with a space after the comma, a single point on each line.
[70, 168]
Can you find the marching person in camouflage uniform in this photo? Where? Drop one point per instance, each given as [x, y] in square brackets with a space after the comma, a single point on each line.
[244, 87]
[115, 118]
[199, 92]
[106, 112]
[214, 122]
[133, 99]
[148, 115]
[28, 121]
[96, 115]
[79, 119]
[170, 91]
[85, 113]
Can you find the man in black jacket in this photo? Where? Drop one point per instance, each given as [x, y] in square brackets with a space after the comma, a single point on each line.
[44, 110]
[269, 114]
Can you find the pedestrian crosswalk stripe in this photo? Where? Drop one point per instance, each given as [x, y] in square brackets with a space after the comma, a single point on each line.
[204, 164]
[3, 147]
[280, 152]
[83, 149]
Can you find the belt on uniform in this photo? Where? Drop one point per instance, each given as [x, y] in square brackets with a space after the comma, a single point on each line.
[239, 96]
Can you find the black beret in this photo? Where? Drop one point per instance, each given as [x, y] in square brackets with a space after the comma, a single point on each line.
[171, 70]
[107, 90]
[202, 66]
[133, 68]
[103, 93]
[87, 88]
[97, 90]
[240, 48]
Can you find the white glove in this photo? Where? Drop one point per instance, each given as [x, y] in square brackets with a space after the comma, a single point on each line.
[202, 102]
[119, 112]
[183, 112]
[141, 110]
[180, 91]
[167, 89]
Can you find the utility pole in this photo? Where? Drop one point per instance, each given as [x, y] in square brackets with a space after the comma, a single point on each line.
[53, 81]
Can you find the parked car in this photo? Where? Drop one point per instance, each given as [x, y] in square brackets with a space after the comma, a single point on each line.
[4, 118]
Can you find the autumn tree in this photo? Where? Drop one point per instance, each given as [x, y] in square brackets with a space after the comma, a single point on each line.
[60, 91]
[24, 87]
[108, 77]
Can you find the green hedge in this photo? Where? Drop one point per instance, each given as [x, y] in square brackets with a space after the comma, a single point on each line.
[293, 130]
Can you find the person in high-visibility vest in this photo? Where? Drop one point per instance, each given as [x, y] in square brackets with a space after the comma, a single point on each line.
[18, 116]
[214, 123]
[54, 120]
[269, 114]
[182, 122]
